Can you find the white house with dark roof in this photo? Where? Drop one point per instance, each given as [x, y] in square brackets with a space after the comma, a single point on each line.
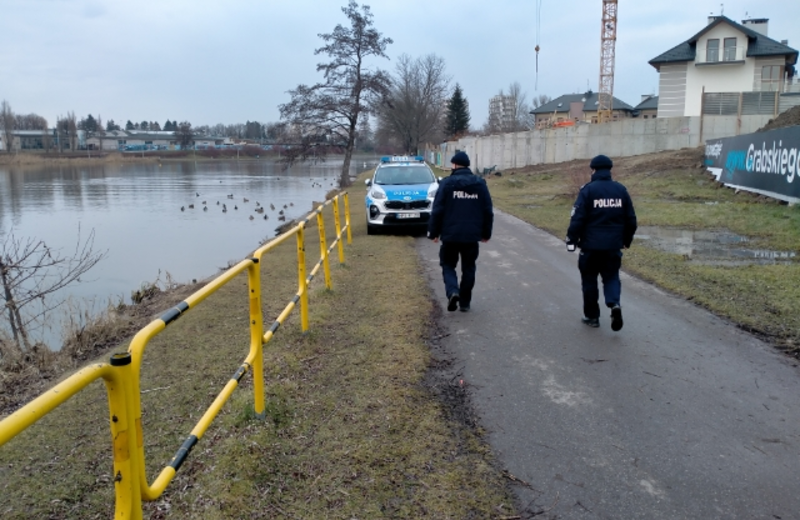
[647, 107]
[574, 108]
[724, 57]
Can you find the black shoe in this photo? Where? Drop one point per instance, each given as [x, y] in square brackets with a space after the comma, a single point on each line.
[452, 302]
[616, 318]
[464, 308]
[592, 322]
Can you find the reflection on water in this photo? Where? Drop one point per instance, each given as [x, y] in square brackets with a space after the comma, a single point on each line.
[135, 211]
[711, 247]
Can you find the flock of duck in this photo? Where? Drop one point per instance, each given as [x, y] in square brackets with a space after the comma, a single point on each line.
[258, 209]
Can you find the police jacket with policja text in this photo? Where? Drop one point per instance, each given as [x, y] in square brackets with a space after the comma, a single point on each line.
[462, 209]
[603, 217]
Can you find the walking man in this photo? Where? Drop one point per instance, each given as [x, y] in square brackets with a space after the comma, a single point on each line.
[603, 222]
[461, 217]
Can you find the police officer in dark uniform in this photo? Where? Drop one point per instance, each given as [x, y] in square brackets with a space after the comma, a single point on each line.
[603, 222]
[461, 216]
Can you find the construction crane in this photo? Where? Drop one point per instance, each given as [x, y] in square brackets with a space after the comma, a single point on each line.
[608, 41]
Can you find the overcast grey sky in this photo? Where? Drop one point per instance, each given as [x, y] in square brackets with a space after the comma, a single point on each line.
[228, 62]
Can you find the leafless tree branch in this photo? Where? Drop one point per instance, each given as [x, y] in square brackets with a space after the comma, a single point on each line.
[31, 273]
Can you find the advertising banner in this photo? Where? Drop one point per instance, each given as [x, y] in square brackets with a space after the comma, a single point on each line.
[767, 163]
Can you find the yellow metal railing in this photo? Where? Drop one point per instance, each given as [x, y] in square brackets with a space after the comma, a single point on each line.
[122, 374]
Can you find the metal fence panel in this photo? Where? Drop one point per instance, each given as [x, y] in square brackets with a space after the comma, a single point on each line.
[758, 103]
[721, 103]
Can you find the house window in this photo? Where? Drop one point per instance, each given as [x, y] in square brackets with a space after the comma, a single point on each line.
[729, 52]
[712, 50]
[771, 78]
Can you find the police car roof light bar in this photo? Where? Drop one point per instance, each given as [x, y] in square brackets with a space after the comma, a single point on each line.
[402, 158]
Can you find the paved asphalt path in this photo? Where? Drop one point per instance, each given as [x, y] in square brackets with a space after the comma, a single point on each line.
[677, 416]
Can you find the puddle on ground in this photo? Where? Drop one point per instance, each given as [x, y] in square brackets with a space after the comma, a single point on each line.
[711, 247]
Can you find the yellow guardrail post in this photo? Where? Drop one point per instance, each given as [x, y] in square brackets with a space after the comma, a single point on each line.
[301, 277]
[323, 248]
[256, 336]
[347, 218]
[338, 223]
[126, 468]
[118, 378]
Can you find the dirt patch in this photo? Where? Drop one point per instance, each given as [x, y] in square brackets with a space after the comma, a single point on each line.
[789, 118]
[444, 379]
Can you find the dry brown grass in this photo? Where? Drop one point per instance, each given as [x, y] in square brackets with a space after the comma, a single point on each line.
[75, 159]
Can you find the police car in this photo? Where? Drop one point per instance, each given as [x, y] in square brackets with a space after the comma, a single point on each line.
[400, 193]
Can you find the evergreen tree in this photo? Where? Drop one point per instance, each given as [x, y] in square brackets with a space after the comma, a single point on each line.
[168, 126]
[89, 124]
[129, 125]
[457, 117]
[144, 125]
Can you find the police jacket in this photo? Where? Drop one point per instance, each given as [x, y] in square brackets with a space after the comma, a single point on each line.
[603, 215]
[462, 209]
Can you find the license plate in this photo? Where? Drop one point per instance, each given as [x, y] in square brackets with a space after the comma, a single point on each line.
[408, 215]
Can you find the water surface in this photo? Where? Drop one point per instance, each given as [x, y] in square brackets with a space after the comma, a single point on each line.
[135, 212]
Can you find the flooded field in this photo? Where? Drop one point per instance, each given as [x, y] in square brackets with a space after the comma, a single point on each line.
[711, 247]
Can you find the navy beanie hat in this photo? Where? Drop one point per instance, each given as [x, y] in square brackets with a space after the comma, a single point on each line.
[601, 162]
[461, 159]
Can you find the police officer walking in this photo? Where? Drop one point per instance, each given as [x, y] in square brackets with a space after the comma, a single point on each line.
[603, 222]
[461, 216]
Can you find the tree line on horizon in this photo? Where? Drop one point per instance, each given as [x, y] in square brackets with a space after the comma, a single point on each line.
[417, 104]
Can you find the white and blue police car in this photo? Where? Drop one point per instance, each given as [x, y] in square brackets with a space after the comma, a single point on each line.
[400, 193]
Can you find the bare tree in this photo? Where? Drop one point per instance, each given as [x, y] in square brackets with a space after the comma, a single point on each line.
[365, 135]
[536, 102]
[29, 122]
[7, 122]
[47, 138]
[541, 99]
[413, 111]
[274, 131]
[509, 111]
[184, 134]
[327, 113]
[30, 273]
[218, 130]
[72, 131]
[62, 133]
[520, 107]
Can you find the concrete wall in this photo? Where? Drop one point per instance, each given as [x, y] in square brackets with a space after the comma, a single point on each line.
[616, 139]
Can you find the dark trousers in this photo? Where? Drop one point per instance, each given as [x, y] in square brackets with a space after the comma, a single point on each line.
[448, 259]
[606, 264]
